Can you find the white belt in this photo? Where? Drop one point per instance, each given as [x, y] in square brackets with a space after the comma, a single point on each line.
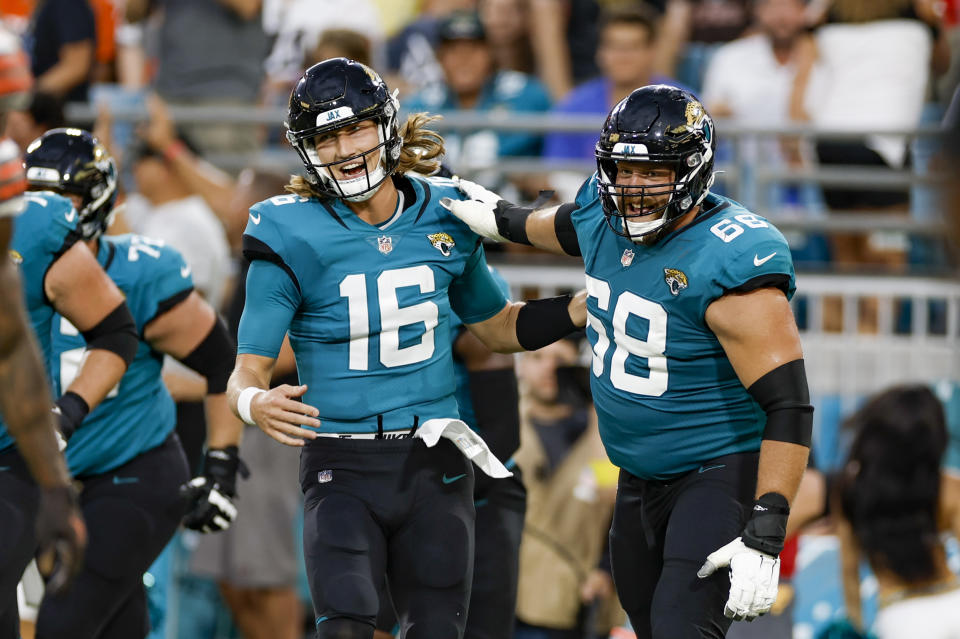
[463, 437]
[393, 434]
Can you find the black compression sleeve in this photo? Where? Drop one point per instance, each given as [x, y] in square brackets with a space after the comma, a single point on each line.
[566, 233]
[117, 333]
[784, 397]
[213, 358]
[542, 322]
[496, 402]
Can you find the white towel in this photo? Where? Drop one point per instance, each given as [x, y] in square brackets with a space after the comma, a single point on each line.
[469, 442]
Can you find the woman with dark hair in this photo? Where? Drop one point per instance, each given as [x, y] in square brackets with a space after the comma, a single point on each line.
[889, 498]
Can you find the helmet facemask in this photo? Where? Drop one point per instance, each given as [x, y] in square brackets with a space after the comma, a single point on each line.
[668, 201]
[364, 186]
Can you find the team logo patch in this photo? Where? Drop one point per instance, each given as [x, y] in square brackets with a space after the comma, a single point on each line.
[442, 242]
[325, 476]
[15, 257]
[675, 279]
[627, 258]
[385, 244]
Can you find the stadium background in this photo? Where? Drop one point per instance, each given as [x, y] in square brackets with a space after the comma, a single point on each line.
[887, 312]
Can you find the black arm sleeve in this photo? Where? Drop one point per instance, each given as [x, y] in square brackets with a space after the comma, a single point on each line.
[566, 233]
[542, 322]
[117, 333]
[496, 404]
[213, 358]
[784, 397]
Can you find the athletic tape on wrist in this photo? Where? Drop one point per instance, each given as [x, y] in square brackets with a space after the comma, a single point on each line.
[243, 403]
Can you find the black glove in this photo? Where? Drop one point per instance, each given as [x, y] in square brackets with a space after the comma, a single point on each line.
[70, 409]
[61, 535]
[210, 496]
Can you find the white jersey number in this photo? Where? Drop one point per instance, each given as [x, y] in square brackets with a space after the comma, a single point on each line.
[651, 349]
[392, 317]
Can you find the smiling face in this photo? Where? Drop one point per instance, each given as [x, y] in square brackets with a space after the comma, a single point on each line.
[643, 204]
[341, 146]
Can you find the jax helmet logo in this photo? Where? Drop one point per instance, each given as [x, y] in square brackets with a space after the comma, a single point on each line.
[442, 242]
[675, 279]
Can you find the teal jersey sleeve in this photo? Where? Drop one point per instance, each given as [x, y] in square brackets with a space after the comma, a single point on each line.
[476, 296]
[757, 253]
[272, 300]
[163, 277]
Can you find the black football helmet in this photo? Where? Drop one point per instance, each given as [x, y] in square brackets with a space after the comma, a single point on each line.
[663, 125]
[333, 94]
[72, 161]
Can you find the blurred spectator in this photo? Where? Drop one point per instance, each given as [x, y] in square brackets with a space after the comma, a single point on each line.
[107, 16]
[564, 38]
[571, 488]
[411, 64]
[889, 498]
[751, 79]
[626, 57]
[691, 32]
[870, 83]
[297, 26]
[164, 207]
[62, 43]
[472, 83]
[211, 53]
[44, 112]
[507, 25]
[340, 43]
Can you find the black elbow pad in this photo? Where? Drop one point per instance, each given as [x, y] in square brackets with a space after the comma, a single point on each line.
[117, 333]
[213, 358]
[784, 397]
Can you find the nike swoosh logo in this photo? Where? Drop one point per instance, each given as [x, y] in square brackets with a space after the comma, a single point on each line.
[450, 480]
[71, 216]
[117, 481]
[760, 262]
[704, 469]
[255, 220]
[184, 271]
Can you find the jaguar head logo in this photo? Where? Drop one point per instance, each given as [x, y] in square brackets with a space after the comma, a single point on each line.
[676, 280]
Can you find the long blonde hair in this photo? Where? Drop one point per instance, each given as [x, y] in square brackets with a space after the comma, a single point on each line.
[421, 152]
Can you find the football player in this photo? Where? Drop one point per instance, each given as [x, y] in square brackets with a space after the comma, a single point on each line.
[126, 453]
[698, 373]
[362, 267]
[25, 399]
[488, 399]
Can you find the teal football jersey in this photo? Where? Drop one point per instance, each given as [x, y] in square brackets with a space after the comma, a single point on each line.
[139, 413]
[43, 232]
[949, 393]
[368, 308]
[666, 395]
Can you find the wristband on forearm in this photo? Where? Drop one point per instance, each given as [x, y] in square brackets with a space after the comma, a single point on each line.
[512, 221]
[767, 527]
[243, 403]
[71, 409]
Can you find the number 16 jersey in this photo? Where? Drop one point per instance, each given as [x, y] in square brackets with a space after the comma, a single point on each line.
[666, 395]
[368, 308]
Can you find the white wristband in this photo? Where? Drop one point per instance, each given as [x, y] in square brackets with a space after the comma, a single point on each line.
[243, 403]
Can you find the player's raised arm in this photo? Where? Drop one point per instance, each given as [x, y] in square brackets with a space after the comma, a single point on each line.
[83, 293]
[489, 215]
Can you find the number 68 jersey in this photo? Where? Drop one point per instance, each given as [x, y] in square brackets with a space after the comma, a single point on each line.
[367, 308]
[666, 395]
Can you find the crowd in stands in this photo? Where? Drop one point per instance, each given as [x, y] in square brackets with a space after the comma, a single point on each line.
[857, 66]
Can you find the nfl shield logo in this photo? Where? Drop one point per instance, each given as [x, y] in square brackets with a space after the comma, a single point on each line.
[627, 258]
[385, 244]
[324, 476]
